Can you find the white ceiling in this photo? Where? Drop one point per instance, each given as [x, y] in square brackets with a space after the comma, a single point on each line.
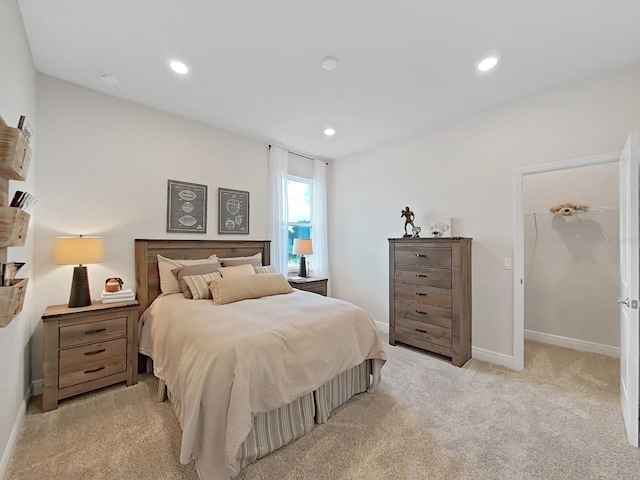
[405, 65]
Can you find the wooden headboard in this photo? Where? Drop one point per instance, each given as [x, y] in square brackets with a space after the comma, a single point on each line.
[147, 277]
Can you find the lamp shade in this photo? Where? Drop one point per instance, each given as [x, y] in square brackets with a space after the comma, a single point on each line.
[302, 246]
[79, 250]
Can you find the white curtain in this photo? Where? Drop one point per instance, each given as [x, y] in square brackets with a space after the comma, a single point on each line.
[319, 240]
[278, 208]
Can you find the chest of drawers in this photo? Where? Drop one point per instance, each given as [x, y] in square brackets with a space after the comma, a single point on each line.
[430, 295]
[87, 348]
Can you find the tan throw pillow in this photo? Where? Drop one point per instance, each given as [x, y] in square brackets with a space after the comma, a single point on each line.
[265, 269]
[199, 284]
[237, 271]
[168, 281]
[233, 261]
[200, 269]
[229, 290]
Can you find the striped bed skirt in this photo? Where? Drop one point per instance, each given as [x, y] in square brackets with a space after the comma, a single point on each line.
[277, 428]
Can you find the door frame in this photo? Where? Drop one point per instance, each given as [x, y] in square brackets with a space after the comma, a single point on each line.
[518, 239]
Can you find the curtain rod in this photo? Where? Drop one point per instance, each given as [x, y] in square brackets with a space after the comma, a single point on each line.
[298, 155]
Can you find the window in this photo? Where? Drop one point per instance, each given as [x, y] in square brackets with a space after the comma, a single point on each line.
[299, 221]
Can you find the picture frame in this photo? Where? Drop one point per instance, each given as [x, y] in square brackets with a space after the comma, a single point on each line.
[233, 212]
[186, 207]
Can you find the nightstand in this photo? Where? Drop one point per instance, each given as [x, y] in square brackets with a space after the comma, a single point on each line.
[86, 348]
[310, 284]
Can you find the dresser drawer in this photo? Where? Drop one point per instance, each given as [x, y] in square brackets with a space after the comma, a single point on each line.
[423, 256]
[433, 277]
[92, 370]
[72, 358]
[440, 297]
[423, 313]
[425, 332]
[93, 332]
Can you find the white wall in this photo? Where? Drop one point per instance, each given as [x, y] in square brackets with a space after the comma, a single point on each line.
[572, 263]
[105, 171]
[17, 97]
[465, 171]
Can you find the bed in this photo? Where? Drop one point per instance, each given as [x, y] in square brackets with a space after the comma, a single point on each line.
[249, 377]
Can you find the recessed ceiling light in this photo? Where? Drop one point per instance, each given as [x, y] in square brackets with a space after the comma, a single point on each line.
[110, 79]
[179, 67]
[487, 64]
[329, 132]
[329, 63]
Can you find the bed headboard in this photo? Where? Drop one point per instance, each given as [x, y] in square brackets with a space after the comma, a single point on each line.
[147, 277]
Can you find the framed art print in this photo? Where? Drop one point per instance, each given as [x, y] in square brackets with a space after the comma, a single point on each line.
[186, 207]
[233, 211]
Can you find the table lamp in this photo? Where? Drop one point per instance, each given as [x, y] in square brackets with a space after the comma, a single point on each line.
[302, 247]
[79, 251]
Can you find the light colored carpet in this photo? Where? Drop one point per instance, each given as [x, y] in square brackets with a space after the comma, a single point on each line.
[559, 418]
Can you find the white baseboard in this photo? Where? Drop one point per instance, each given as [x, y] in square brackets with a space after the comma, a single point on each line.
[492, 357]
[36, 387]
[15, 435]
[382, 327]
[572, 343]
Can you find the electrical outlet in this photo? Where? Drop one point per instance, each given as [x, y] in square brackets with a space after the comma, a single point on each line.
[506, 263]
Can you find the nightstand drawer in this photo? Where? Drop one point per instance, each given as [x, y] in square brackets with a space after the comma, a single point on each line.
[423, 256]
[75, 358]
[93, 332]
[92, 370]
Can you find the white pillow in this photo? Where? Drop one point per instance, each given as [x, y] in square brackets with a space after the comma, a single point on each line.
[168, 281]
[237, 271]
[233, 261]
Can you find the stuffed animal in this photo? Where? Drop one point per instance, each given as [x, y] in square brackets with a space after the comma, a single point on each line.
[568, 209]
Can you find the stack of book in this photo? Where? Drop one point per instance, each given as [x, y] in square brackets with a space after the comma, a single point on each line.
[119, 296]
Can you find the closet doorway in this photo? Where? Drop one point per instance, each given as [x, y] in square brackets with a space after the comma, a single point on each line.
[519, 243]
[572, 258]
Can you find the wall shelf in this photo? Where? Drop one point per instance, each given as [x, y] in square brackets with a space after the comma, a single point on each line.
[15, 156]
[14, 223]
[15, 152]
[12, 300]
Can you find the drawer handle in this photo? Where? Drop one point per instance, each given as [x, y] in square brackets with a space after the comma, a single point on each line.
[97, 330]
[421, 275]
[95, 352]
[420, 255]
[94, 370]
[421, 331]
[421, 313]
[421, 294]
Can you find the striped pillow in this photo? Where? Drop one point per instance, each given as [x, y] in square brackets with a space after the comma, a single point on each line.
[264, 269]
[199, 284]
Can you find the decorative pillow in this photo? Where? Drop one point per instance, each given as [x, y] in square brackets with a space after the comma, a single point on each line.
[199, 284]
[229, 290]
[233, 261]
[168, 281]
[237, 271]
[200, 269]
[265, 269]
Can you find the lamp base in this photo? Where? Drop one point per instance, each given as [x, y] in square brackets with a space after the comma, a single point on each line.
[80, 295]
[302, 271]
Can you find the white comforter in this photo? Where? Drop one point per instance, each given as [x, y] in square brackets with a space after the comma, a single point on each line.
[225, 363]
